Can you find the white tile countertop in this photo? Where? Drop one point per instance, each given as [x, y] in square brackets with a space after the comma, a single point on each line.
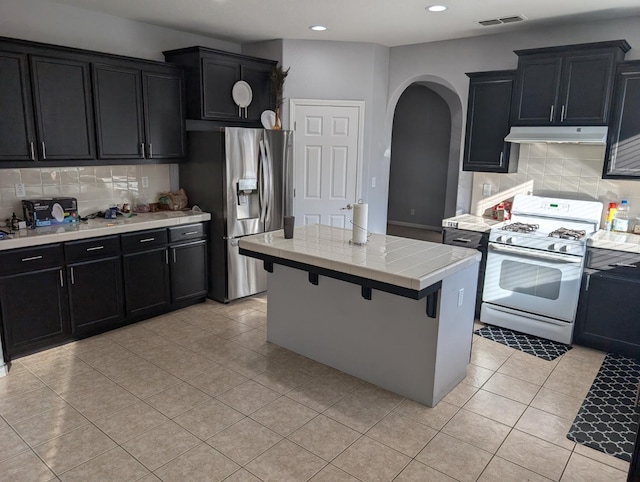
[408, 263]
[616, 241]
[470, 222]
[99, 227]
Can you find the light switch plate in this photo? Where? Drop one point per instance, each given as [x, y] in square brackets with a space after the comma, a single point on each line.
[145, 181]
[373, 182]
[20, 190]
[486, 189]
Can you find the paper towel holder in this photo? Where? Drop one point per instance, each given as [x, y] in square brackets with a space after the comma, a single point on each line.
[363, 228]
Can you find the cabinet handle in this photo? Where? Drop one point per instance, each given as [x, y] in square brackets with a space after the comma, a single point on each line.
[146, 240]
[95, 248]
[462, 240]
[586, 285]
[73, 281]
[61, 279]
[501, 157]
[150, 151]
[142, 150]
[624, 265]
[190, 233]
[44, 151]
[553, 108]
[166, 256]
[33, 151]
[174, 255]
[32, 258]
[562, 114]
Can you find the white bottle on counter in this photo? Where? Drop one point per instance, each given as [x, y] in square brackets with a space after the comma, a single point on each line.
[621, 221]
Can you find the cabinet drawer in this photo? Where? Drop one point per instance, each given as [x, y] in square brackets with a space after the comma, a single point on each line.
[93, 248]
[31, 259]
[142, 240]
[186, 232]
[614, 261]
[462, 237]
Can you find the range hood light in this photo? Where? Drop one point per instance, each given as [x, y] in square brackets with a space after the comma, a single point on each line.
[596, 135]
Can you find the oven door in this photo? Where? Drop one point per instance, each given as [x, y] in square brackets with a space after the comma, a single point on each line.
[533, 281]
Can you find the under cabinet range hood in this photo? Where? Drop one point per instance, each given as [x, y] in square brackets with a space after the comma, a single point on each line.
[596, 135]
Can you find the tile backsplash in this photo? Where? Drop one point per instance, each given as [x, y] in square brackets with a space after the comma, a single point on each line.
[571, 171]
[96, 188]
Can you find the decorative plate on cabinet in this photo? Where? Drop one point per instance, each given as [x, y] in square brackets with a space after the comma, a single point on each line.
[268, 119]
[242, 93]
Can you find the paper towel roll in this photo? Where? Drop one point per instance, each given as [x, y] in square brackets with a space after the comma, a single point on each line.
[360, 214]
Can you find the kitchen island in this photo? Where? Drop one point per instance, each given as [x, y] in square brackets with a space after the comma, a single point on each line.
[395, 312]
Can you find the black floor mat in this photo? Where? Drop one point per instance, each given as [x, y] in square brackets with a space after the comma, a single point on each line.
[608, 418]
[546, 349]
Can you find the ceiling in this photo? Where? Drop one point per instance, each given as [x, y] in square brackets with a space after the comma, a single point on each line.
[386, 22]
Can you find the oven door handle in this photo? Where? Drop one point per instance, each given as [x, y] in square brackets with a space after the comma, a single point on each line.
[532, 253]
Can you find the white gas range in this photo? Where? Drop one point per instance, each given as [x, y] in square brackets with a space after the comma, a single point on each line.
[534, 266]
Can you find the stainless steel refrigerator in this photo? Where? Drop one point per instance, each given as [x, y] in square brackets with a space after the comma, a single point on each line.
[244, 179]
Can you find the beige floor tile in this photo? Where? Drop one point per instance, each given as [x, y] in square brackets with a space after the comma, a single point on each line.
[172, 327]
[251, 364]
[546, 426]
[573, 384]
[460, 394]
[18, 383]
[104, 356]
[282, 379]
[402, 434]
[332, 473]
[149, 478]
[356, 412]
[306, 365]
[50, 372]
[28, 404]
[177, 399]
[512, 388]
[244, 441]
[217, 380]
[145, 380]
[254, 318]
[341, 379]
[50, 424]
[477, 376]
[201, 463]
[528, 358]
[74, 448]
[496, 407]
[557, 403]
[501, 470]
[215, 348]
[418, 472]
[527, 370]
[489, 354]
[593, 358]
[367, 459]
[477, 430]
[113, 466]
[378, 396]
[180, 362]
[283, 415]
[583, 469]
[10, 443]
[130, 422]
[598, 456]
[285, 461]
[324, 437]
[26, 467]
[208, 418]
[435, 417]
[534, 454]
[233, 329]
[52, 356]
[102, 403]
[252, 339]
[161, 444]
[82, 385]
[248, 397]
[144, 341]
[455, 458]
[319, 394]
[242, 475]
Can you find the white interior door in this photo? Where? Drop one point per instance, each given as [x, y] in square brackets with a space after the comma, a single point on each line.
[327, 160]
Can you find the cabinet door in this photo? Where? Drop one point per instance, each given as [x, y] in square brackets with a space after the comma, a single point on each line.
[488, 124]
[117, 94]
[164, 115]
[218, 78]
[188, 271]
[622, 158]
[608, 314]
[34, 310]
[259, 78]
[537, 91]
[586, 89]
[16, 113]
[146, 282]
[64, 119]
[95, 295]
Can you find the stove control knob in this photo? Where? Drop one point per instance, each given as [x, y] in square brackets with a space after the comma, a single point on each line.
[500, 239]
[569, 249]
[555, 247]
[511, 240]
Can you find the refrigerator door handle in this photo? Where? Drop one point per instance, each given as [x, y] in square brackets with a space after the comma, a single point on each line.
[269, 183]
[262, 180]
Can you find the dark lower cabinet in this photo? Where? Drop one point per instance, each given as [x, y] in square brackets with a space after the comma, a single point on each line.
[188, 271]
[34, 310]
[146, 282]
[96, 301]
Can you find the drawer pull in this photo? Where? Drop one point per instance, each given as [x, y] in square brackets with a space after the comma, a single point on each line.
[61, 279]
[95, 248]
[146, 240]
[190, 233]
[462, 240]
[73, 280]
[32, 258]
[623, 265]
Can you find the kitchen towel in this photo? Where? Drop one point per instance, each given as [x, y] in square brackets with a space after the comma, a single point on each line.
[360, 215]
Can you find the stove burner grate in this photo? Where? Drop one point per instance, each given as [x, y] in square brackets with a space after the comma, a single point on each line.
[521, 227]
[566, 233]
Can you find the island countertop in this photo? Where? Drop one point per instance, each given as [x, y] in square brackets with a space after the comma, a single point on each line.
[407, 263]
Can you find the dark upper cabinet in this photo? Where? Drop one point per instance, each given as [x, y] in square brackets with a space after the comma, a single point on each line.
[488, 113]
[621, 158]
[210, 76]
[17, 137]
[63, 107]
[569, 85]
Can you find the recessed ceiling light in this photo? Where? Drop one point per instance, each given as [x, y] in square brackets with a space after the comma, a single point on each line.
[437, 8]
[318, 28]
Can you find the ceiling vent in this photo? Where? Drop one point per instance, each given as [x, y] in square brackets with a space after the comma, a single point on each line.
[502, 20]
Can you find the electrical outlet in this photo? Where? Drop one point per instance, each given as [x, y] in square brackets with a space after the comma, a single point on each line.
[20, 190]
[145, 181]
[373, 182]
[413, 211]
[486, 189]
[460, 296]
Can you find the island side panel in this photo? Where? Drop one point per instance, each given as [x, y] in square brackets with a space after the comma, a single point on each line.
[388, 340]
